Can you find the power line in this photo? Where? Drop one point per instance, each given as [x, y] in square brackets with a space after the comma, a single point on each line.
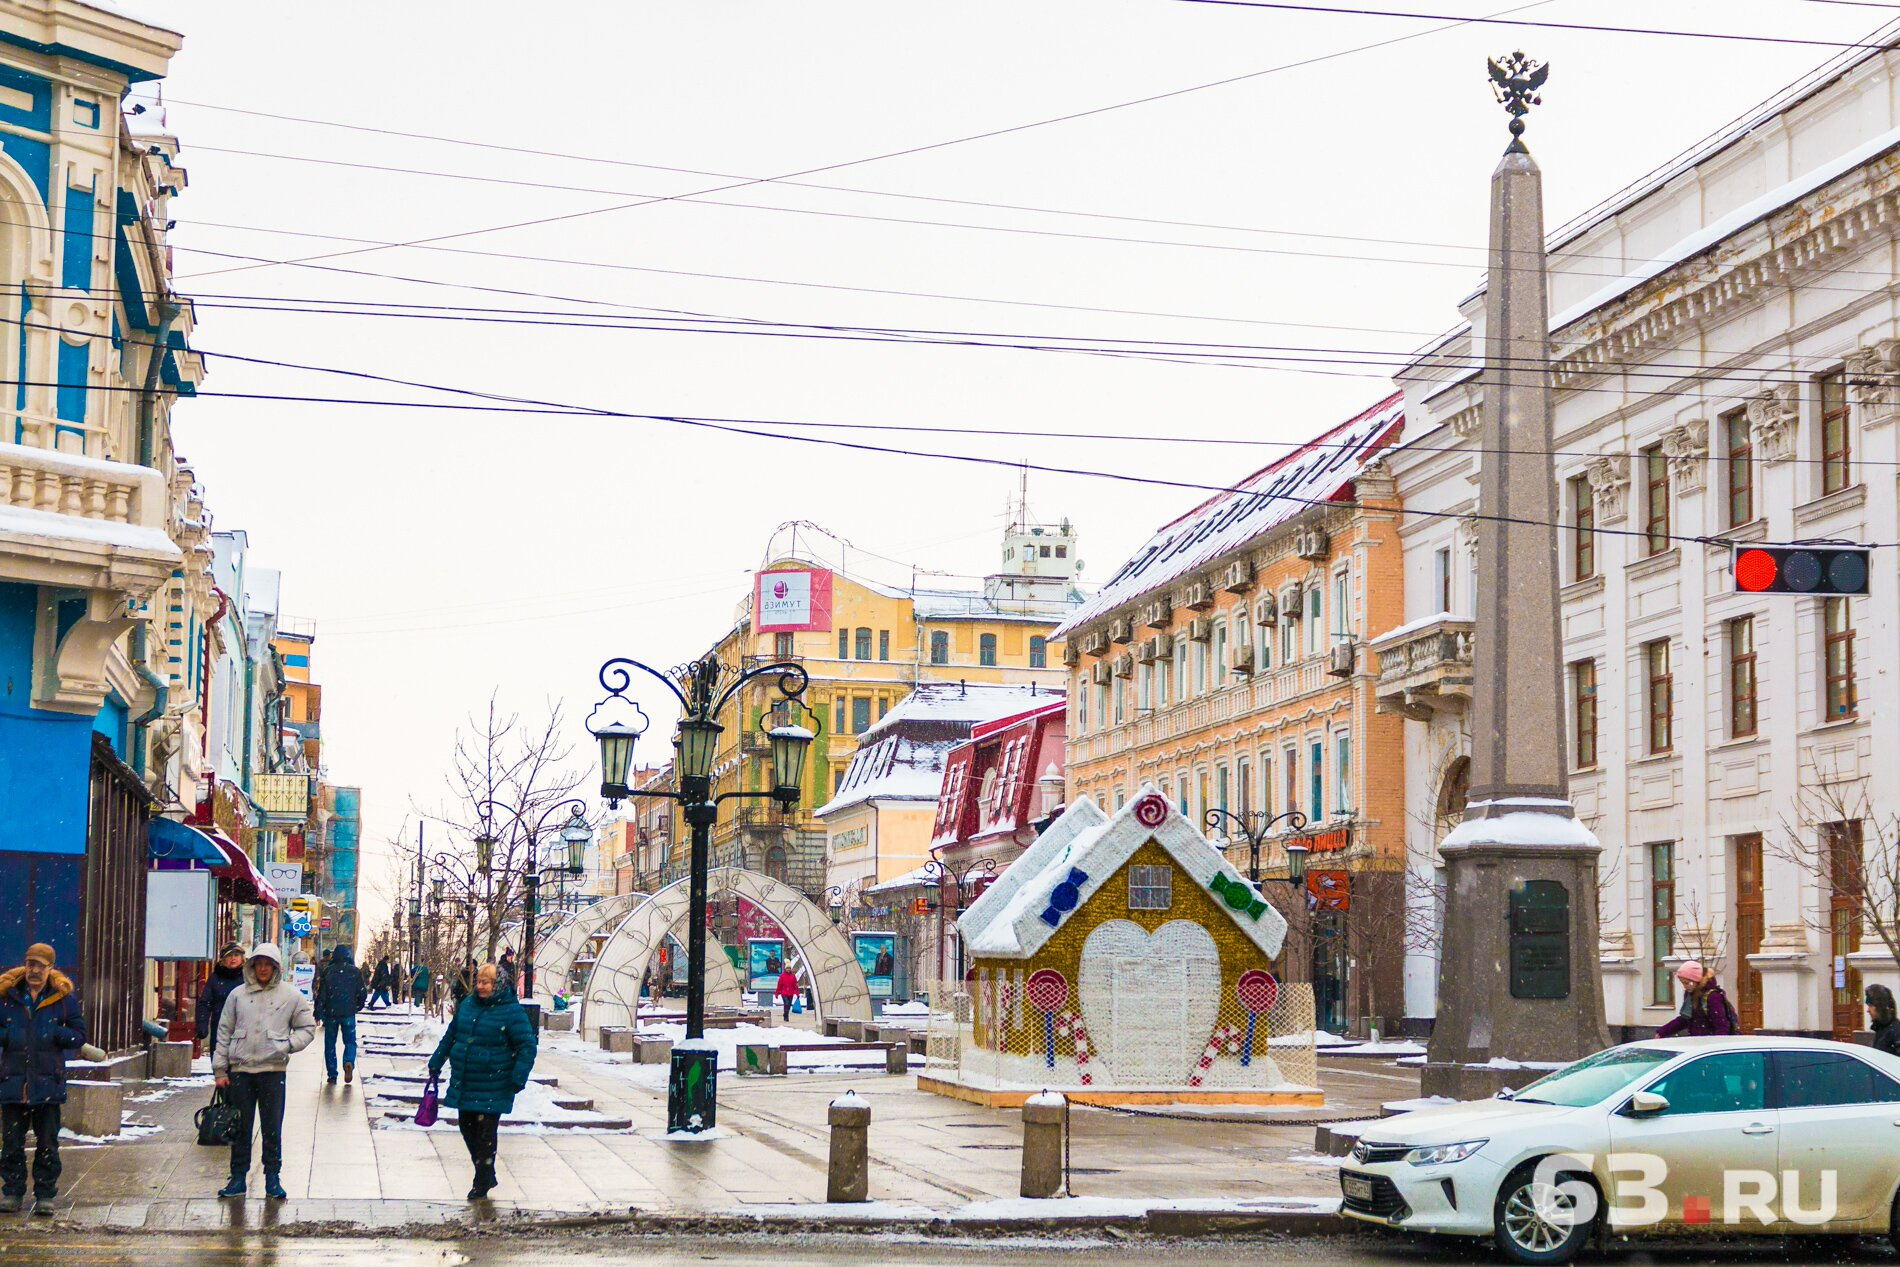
[1283, 6]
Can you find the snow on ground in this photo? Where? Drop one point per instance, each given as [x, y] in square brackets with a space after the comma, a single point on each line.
[912, 1008]
[1318, 1038]
[1316, 1159]
[1389, 1047]
[127, 1133]
[535, 1111]
[726, 1042]
[168, 1088]
[1422, 1102]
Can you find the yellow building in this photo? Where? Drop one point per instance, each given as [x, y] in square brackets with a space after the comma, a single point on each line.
[866, 646]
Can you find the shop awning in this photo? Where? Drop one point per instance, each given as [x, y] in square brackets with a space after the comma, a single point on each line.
[246, 883]
[169, 840]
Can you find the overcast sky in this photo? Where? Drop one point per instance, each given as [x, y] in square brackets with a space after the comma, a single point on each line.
[445, 554]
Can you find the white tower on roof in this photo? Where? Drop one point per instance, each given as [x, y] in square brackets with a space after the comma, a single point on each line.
[1039, 560]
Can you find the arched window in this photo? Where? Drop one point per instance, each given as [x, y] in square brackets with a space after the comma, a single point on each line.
[939, 647]
[1038, 653]
[864, 644]
[986, 651]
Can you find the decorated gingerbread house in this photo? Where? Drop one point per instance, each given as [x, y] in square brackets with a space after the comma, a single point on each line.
[1123, 959]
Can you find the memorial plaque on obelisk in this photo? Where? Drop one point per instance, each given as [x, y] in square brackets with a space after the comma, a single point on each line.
[1518, 976]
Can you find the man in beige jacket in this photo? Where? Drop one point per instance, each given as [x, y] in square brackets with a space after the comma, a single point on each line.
[264, 1021]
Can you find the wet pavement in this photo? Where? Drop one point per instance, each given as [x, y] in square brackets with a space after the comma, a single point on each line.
[926, 1150]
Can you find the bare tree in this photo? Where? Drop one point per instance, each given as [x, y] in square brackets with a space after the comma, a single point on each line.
[1851, 854]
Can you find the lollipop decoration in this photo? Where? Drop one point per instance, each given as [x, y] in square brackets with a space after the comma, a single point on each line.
[1151, 810]
[1048, 990]
[1257, 991]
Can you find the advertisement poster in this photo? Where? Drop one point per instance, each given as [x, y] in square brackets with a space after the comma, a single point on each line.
[303, 976]
[877, 955]
[765, 960]
[793, 600]
[286, 878]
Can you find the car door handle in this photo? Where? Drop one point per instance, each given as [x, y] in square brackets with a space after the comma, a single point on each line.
[1762, 1128]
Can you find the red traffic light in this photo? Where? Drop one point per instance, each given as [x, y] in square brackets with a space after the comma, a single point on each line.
[1820, 571]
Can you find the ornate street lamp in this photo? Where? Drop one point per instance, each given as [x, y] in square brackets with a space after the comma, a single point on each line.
[1254, 829]
[938, 870]
[577, 832]
[576, 827]
[703, 689]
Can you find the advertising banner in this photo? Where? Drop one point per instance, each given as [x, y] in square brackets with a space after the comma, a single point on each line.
[285, 877]
[303, 976]
[877, 955]
[1328, 890]
[765, 959]
[793, 600]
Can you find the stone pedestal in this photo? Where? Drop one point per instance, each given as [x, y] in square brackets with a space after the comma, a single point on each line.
[93, 1108]
[560, 1022]
[651, 1051]
[849, 1176]
[1043, 1117]
[171, 1060]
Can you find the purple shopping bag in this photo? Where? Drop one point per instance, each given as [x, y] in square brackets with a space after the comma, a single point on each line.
[427, 1110]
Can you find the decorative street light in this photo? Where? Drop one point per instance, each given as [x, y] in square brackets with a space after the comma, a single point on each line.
[703, 688]
[1254, 828]
[938, 870]
[576, 827]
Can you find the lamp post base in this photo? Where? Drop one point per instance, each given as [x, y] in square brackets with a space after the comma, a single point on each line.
[692, 1090]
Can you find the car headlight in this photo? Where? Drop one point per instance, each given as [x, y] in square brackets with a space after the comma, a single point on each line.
[1443, 1154]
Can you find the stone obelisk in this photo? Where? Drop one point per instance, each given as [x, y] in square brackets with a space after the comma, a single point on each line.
[1518, 973]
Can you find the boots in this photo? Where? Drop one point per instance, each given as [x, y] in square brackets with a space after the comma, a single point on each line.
[233, 1187]
[273, 1190]
[484, 1180]
[12, 1202]
[349, 1072]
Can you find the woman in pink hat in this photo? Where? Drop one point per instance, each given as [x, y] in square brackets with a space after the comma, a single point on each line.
[1706, 1011]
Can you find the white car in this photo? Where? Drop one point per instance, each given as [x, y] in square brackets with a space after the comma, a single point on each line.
[1728, 1135]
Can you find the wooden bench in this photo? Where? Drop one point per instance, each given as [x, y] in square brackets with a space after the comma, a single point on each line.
[896, 1055]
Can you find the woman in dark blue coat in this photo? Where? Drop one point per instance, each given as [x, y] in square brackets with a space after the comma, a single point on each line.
[490, 1048]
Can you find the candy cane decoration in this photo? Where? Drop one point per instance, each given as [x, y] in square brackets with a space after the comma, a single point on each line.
[1224, 1040]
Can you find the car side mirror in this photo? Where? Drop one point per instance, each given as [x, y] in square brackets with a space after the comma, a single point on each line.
[1647, 1104]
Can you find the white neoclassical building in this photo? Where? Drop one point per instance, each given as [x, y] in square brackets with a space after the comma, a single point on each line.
[1725, 343]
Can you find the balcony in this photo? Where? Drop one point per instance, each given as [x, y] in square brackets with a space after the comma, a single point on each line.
[754, 743]
[1424, 666]
[751, 662]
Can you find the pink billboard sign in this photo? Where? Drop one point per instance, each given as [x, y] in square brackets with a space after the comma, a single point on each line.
[793, 600]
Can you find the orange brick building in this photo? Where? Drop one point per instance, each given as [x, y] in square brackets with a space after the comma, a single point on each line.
[1227, 664]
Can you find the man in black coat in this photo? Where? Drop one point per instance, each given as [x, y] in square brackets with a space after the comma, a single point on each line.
[227, 976]
[40, 1021]
[340, 996]
[380, 983]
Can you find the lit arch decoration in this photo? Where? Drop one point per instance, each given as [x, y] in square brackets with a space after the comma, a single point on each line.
[838, 984]
[554, 957]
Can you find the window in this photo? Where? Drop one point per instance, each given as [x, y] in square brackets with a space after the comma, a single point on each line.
[1220, 787]
[782, 646]
[1243, 784]
[1044, 552]
[1263, 654]
[1200, 667]
[1740, 460]
[1181, 782]
[1290, 627]
[1316, 775]
[1266, 784]
[1342, 773]
[1583, 690]
[838, 727]
[883, 644]
[1837, 622]
[883, 706]
[1220, 654]
[1150, 888]
[1655, 500]
[1741, 677]
[1181, 657]
[844, 644]
[1292, 767]
[1662, 922]
[1818, 1079]
[1162, 672]
[986, 651]
[860, 714]
[864, 644]
[1441, 579]
[1038, 652]
[837, 779]
[1315, 600]
[775, 863]
[1119, 689]
[1583, 513]
[1836, 439]
[939, 647]
[1062, 552]
[1144, 688]
[1342, 603]
[1662, 691]
[1121, 793]
[1733, 1082]
[1081, 712]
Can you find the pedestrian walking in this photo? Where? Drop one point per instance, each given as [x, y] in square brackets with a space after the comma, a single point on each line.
[40, 1021]
[379, 983]
[338, 1002]
[263, 1024]
[508, 970]
[1881, 1019]
[419, 985]
[489, 1047]
[227, 976]
[464, 982]
[787, 991]
[1705, 1010]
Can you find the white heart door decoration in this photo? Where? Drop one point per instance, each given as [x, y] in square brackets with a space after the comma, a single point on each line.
[1150, 1000]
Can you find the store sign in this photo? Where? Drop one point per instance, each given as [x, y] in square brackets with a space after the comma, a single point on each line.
[850, 839]
[793, 600]
[1330, 841]
[286, 878]
[1329, 890]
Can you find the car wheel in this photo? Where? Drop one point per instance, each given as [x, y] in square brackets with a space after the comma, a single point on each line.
[1893, 1224]
[1533, 1221]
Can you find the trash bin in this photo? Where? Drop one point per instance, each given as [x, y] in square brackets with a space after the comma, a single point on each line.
[534, 1015]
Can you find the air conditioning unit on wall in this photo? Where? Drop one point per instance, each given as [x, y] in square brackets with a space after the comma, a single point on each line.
[1342, 659]
[1237, 576]
[1121, 629]
[1311, 543]
[1197, 597]
[1157, 614]
[1267, 610]
[1200, 629]
[1100, 672]
[1243, 658]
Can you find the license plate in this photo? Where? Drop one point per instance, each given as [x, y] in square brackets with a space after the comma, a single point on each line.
[1357, 1188]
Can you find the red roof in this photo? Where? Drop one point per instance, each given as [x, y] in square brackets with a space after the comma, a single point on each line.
[989, 780]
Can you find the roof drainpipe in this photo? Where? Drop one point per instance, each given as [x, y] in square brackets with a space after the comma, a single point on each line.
[161, 697]
[148, 394]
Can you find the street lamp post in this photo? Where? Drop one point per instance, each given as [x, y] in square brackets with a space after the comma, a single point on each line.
[703, 688]
[575, 833]
[1254, 829]
[938, 870]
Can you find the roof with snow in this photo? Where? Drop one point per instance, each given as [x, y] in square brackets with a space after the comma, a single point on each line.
[901, 758]
[1322, 471]
[1013, 918]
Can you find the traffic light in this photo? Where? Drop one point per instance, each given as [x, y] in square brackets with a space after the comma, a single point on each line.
[1824, 571]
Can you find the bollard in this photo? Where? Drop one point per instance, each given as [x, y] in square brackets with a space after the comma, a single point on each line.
[850, 1178]
[1042, 1144]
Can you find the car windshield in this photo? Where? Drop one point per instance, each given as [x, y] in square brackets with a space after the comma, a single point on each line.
[1595, 1078]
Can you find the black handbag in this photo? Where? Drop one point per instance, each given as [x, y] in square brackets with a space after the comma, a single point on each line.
[219, 1121]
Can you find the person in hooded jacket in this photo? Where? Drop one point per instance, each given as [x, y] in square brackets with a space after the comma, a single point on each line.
[1881, 1019]
[489, 1046]
[338, 1002]
[227, 976]
[263, 1025]
[380, 982]
[419, 985]
[40, 1021]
